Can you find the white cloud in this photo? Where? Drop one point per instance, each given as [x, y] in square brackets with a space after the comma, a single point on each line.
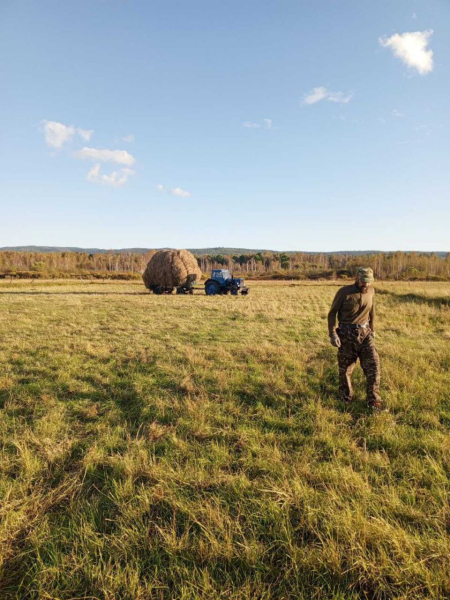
[414, 15]
[339, 97]
[317, 94]
[423, 128]
[94, 174]
[128, 138]
[57, 134]
[397, 113]
[173, 191]
[180, 193]
[116, 178]
[86, 134]
[411, 48]
[121, 157]
[267, 124]
[321, 93]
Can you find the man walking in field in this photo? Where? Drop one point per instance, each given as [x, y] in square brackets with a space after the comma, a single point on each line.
[354, 306]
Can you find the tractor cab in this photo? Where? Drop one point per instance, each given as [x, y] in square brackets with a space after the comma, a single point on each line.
[220, 275]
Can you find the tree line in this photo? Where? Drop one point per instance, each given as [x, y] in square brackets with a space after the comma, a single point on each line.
[299, 265]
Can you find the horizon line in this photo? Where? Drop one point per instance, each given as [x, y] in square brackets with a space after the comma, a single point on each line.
[141, 248]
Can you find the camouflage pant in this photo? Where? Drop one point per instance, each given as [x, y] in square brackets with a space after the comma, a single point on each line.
[358, 343]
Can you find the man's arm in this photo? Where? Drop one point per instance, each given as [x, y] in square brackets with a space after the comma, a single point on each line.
[372, 314]
[337, 303]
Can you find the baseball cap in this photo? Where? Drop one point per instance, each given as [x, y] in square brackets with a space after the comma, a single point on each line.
[365, 274]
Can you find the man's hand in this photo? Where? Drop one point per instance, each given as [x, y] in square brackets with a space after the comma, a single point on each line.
[334, 340]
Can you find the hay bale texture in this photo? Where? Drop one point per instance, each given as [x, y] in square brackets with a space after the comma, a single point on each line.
[170, 269]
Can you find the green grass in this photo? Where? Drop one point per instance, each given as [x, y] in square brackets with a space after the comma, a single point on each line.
[194, 448]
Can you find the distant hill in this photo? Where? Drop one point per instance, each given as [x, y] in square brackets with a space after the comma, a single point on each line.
[197, 251]
[219, 250]
[222, 250]
[74, 249]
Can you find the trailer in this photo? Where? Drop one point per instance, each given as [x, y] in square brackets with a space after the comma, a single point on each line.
[186, 288]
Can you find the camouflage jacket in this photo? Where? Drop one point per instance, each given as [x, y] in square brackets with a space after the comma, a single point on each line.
[352, 306]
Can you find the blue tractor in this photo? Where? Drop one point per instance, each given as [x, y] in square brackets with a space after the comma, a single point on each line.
[222, 282]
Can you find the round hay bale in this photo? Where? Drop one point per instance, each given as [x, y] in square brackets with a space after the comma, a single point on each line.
[171, 268]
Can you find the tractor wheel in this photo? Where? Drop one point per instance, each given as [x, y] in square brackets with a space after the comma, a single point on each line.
[212, 288]
[234, 290]
[158, 290]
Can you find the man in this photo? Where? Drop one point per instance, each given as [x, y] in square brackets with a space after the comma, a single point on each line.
[354, 306]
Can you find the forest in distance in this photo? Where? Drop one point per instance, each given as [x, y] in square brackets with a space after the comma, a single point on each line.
[399, 266]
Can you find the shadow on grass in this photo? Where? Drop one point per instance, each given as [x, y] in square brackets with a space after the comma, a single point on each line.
[70, 482]
[161, 400]
[14, 293]
[94, 482]
[323, 381]
[4, 396]
[416, 299]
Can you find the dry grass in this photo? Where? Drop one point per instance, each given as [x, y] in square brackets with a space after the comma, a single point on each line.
[193, 448]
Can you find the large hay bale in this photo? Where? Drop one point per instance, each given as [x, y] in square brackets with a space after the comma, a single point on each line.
[170, 269]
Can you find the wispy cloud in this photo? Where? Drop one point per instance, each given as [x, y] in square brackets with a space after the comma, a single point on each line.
[116, 178]
[397, 113]
[318, 94]
[424, 129]
[128, 138]
[121, 157]
[412, 48]
[57, 134]
[339, 97]
[407, 142]
[180, 193]
[266, 124]
[174, 191]
[86, 134]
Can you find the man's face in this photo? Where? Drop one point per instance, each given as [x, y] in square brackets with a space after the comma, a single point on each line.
[363, 285]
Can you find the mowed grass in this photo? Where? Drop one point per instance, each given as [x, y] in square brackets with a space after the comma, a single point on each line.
[194, 447]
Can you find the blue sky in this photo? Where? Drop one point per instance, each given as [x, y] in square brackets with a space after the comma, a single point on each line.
[289, 125]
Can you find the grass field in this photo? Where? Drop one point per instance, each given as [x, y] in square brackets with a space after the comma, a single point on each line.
[194, 447]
